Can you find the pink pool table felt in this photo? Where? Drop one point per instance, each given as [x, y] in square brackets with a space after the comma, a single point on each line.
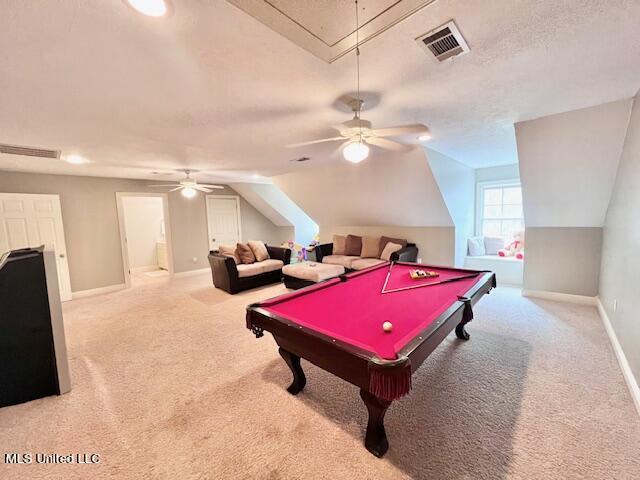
[354, 311]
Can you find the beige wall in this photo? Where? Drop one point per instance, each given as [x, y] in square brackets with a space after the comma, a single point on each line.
[563, 259]
[568, 164]
[436, 245]
[620, 269]
[92, 231]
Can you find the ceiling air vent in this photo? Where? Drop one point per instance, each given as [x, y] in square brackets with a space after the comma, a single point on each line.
[444, 42]
[28, 151]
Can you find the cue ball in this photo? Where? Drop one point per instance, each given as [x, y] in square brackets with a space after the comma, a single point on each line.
[387, 326]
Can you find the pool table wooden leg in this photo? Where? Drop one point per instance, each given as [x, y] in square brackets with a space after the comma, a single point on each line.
[376, 438]
[461, 332]
[299, 380]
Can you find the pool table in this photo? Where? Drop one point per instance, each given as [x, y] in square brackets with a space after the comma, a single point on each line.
[338, 326]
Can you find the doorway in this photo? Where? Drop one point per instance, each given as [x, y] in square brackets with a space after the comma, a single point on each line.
[223, 220]
[31, 220]
[145, 237]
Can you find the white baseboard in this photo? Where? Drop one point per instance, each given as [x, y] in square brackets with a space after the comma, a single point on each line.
[146, 268]
[560, 297]
[632, 383]
[188, 273]
[97, 291]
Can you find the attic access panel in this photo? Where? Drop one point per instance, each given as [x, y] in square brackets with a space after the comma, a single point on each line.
[326, 28]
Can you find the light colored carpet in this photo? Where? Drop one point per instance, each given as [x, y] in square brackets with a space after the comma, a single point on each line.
[168, 383]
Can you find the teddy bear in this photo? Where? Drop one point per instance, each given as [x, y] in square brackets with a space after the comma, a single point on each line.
[515, 248]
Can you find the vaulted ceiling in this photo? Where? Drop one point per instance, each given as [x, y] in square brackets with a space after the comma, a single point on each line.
[212, 88]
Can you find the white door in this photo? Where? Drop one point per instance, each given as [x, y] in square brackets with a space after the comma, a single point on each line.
[30, 221]
[223, 219]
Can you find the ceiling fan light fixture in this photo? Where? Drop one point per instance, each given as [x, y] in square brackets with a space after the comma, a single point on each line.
[150, 8]
[188, 192]
[425, 137]
[355, 152]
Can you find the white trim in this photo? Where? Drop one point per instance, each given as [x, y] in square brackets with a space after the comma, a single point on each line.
[146, 268]
[189, 273]
[560, 297]
[206, 204]
[98, 291]
[123, 239]
[632, 383]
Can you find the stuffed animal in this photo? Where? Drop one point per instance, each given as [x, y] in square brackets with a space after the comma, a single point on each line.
[515, 248]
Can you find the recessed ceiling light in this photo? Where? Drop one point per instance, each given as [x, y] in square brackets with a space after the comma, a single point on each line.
[425, 137]
[76, 159]
[151, 8]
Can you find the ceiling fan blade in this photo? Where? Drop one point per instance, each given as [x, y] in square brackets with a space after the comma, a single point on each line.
[312, 142]
[388, 144]
[210, 186]
[165, 185]
[202, 189]
[401, 130]
[174, 189]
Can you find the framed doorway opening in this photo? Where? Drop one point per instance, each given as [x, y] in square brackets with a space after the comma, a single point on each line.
[146, 245]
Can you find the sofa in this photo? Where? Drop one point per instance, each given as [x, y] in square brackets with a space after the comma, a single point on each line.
[367, 255]
[233, 277]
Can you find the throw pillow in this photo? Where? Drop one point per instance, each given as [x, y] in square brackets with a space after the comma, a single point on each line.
[353, 245]
[259, 250]
[475, 246]
[389, 249]
[385, 240]
[245, 253]
[493, 244]
[339, 244]
[229, 251]
[370, 247]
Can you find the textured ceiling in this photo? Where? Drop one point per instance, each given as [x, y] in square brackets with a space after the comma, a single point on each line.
[212, 88]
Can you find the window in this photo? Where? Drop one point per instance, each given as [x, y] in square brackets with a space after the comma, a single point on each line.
[499, 209]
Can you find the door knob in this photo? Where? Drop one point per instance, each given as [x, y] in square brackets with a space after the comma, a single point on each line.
[213, 239]
[61, 255]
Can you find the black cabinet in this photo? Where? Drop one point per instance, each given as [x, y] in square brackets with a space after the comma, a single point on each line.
[33, 360]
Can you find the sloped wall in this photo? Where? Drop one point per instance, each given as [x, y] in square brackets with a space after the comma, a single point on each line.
[620, 270]
[385, 189]
[387, 194]
[568, 165]
[269, 200]
[457, 184]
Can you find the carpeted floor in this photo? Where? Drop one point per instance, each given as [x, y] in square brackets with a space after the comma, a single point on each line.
[168, 383]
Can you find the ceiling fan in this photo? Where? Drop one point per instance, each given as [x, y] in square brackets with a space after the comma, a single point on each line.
[189, 187]
[358, 133]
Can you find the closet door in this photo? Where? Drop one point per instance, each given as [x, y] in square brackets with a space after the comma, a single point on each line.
[29, 220]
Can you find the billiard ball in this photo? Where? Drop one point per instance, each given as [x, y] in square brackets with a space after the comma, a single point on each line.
[387, 326]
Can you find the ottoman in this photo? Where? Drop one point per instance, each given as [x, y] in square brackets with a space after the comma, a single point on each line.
[303, 274]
